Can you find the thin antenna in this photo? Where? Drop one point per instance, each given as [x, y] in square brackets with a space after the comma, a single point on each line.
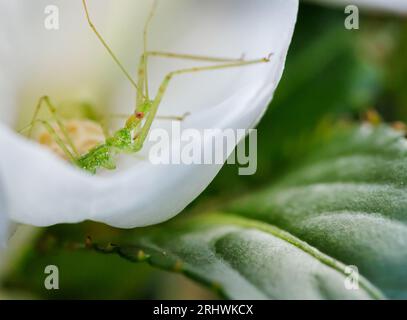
[109, 50]
[146, 28]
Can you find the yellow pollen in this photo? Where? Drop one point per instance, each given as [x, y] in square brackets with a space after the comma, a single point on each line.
[84, 134]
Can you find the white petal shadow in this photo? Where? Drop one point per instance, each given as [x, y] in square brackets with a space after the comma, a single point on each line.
[4, 223]
[42, 190]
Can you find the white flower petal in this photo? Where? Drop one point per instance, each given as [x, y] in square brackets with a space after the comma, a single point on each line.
[3, 220]
[42, 190]
[396, 6]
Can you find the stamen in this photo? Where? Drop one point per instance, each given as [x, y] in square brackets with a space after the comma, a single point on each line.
[85, 135]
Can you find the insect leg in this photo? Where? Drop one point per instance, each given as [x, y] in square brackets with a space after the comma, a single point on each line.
[164, 85]
[107, 47]
[144, 63]
[104, 123]
[193, 57]
[141, 78]
[143, 72]
[45, 101]
[173, 118]
[57, 139]
[158, 117]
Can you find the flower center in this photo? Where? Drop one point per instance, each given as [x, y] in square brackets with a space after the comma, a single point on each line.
[84, 135]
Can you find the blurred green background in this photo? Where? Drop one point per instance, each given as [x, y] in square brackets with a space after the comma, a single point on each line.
[333, 77]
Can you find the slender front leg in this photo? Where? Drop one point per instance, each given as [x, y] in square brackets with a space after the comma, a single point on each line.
[141, 76]
[141, 137]
[107, 47]
[145, 55]
[142, 81]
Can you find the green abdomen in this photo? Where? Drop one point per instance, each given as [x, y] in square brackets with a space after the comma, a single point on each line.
[103, 155]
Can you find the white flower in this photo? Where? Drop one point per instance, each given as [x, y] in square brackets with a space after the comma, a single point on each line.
[397, 6]
[3, 222]
[70, 65]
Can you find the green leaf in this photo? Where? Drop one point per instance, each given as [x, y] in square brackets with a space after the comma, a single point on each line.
[82, 274]
[244, 259]
[350, 201]
[345, 206]
[325, 77]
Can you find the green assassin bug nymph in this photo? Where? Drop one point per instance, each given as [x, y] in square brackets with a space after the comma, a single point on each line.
[131, 137]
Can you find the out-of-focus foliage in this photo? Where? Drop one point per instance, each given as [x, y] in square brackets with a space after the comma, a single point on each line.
[345, 205]
[393, 103]
[244, 259]
[348, 200]
[82, 274]
[333, 76]
[327, 77]
[85, 274]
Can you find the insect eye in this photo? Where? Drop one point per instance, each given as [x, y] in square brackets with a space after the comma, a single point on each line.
[140, 115]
